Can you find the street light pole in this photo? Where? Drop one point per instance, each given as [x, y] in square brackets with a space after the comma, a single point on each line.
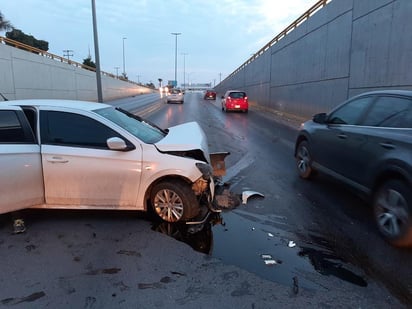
[117, 72]
[124, 62]
[96, 52]
[176, 34]
[184, 70]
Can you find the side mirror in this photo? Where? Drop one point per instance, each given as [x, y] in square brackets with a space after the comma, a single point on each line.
[320, 118]
[116, 143]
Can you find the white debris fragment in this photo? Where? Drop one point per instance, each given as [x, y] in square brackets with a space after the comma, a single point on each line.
[291, 244]
[247, 194]
[268, 259]
[270, 234]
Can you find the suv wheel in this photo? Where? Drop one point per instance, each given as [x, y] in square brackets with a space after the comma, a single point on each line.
[304, 160]
[174, 201]
[392, 209]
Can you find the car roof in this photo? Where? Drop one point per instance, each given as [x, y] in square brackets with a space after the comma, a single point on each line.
[81, 105]
[388, 91]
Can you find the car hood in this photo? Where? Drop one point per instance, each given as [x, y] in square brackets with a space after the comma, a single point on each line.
[185, 137]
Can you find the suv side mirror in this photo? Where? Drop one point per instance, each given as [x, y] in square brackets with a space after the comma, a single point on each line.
[320, 118]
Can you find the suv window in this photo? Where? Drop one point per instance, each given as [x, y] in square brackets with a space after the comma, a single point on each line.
[69, 129]
[350, 112]
[390, 112]
[11, 130]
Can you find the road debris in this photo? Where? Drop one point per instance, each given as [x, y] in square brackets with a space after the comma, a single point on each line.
[295, 285]
[227, 199]
[247, 194]
[291, 244]
[269, 260]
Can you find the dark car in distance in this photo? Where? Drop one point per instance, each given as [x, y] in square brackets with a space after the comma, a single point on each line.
[366, 142]
[210, 95]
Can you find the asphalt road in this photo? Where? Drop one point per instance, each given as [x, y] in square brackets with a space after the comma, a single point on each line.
[326, 250]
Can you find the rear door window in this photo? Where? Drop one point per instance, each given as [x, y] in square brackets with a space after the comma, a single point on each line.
[387, 111]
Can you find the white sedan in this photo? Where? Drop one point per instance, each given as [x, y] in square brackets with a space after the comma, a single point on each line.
[83, 155]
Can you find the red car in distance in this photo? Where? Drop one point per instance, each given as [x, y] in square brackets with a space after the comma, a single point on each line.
[210, 95]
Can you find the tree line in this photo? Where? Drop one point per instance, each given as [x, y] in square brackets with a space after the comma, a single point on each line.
[19, 36]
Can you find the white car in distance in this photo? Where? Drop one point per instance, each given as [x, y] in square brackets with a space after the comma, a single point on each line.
[84, 155]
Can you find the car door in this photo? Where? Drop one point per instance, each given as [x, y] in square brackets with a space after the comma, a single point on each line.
[379, 127]
[335, 140]
[80, 171]
[21, 178]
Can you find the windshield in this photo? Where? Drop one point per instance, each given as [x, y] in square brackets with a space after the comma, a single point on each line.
[137, 126]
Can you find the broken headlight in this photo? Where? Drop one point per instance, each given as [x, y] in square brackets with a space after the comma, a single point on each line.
[205, 169]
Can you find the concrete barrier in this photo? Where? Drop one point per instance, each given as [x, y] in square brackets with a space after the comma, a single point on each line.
[346, 48]
[26, 75]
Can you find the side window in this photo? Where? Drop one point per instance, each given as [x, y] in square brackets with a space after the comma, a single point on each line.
[391, 112]
[350, 112]
[11, 129]
[69, 129]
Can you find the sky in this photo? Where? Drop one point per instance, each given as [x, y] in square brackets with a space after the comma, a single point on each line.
[216, 36]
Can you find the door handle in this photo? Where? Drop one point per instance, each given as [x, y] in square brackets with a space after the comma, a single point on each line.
[57, 160]
[387, 145]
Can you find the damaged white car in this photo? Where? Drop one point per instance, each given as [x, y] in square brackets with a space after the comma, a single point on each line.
[83, 155]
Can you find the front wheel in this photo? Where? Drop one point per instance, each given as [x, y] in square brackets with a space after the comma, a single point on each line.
[304, 160]
[392, 207]
[174, 201]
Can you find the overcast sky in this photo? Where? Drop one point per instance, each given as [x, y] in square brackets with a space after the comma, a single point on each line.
[216, 36]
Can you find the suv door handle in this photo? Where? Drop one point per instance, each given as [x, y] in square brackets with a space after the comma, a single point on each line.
[387, 145]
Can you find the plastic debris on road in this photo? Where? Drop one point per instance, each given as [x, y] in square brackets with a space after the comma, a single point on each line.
[268, 259]
[247, 194]
[291, 244]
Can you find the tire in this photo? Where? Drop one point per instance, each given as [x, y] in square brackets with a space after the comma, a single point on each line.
[392, 207]
[304, 160]
[174, 201]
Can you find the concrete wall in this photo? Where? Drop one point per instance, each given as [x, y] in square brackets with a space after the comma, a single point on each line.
[347, 47]
[25, 75]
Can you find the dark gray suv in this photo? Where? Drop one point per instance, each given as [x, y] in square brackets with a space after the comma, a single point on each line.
[366, 142]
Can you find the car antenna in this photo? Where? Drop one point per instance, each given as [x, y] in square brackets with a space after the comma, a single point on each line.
[4, 98]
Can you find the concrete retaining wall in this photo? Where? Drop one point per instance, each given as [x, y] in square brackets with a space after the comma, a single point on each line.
[346, 48]
[25, 75]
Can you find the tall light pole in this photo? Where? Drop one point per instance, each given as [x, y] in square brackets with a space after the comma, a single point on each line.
[117, 72]
[176, 34]
[184, 70]
[96, 53]
[124, 62]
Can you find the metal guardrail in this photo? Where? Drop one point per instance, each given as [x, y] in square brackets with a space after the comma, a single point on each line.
[317, 6]
[46, 54]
